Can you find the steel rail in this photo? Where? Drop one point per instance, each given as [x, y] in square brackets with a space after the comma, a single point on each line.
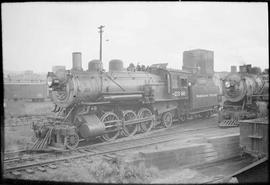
[144, 136]
[108, 148]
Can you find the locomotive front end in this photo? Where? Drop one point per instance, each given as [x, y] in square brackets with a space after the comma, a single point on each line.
[245, 96]
[68, 88]
[234, 87]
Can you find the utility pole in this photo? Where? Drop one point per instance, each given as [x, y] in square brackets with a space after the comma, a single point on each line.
[100, 42]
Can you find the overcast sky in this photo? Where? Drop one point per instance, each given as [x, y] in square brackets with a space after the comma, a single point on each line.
[37, 36]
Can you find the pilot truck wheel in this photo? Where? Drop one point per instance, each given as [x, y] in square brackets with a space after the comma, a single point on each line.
[71, 141]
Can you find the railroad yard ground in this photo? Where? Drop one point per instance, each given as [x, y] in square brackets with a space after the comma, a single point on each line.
[196, 151]
[18, 118]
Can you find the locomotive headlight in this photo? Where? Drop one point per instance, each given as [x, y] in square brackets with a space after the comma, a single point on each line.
[56, 81]
[49, 81]
[227, 84]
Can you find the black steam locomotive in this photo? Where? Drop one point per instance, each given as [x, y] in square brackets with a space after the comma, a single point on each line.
[93, 103]
[246, 94]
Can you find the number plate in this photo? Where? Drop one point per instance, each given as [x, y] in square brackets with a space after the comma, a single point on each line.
[179, 93]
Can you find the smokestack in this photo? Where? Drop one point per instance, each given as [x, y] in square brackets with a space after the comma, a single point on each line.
[233, 69]
[77, 61]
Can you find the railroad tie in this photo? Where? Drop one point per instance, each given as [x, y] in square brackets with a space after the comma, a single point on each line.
[41, 168]
[16, 173]
[52, 166]
[30, 171]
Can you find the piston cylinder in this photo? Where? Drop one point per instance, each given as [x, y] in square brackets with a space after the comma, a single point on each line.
[92, 127]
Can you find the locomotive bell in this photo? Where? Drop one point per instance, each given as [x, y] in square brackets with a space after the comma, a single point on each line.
[77, 61]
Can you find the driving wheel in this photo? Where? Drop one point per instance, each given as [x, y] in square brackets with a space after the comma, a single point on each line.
[111, 122]
[131, 129]
[147, 125]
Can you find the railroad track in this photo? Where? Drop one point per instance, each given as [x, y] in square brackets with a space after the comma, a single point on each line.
[13, 156]
[29, 162]
[175, 128]
[18, 125]
[185, 127]
[229, 166]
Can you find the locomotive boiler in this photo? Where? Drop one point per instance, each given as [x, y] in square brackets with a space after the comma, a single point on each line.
[93, 103]
[246, 96]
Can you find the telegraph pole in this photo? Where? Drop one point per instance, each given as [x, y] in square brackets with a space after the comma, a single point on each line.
[100, 42]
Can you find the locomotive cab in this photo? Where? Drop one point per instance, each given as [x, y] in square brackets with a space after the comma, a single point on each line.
[175, 80]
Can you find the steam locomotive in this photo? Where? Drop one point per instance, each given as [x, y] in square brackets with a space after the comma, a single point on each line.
[246, 94]
[93, 103]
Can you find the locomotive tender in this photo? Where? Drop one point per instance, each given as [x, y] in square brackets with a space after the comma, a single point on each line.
[246, 95]
[93, 103]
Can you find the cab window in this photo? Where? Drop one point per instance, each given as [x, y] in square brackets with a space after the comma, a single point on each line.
[184, 82]
[175, 81]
